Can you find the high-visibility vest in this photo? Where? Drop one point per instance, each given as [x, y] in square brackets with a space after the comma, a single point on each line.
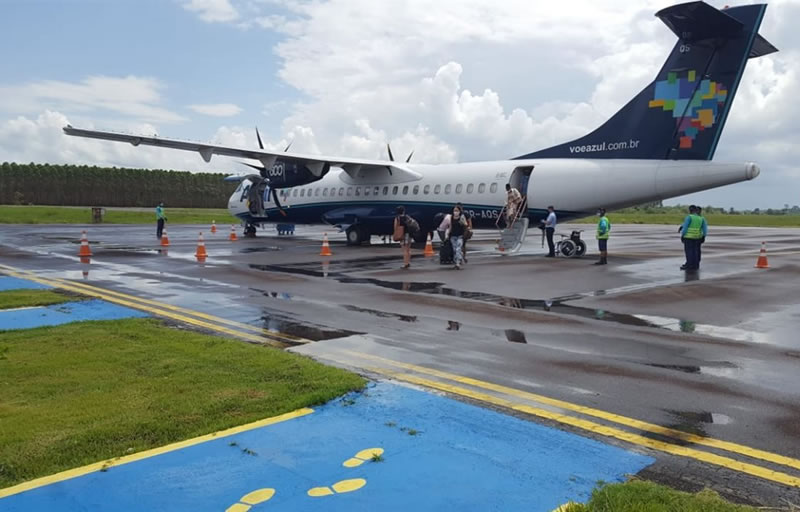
[603, 236]
[695, 229]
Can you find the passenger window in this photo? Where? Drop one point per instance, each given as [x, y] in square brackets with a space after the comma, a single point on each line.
[427, 189]
[405, 190]
[366, 191]
[459, 188]
[394, 190]
[302, 192]
[493, 188]
[448, 188]
[378, 190]
[316, 192]
[341, 191]
[358, 191]
[325, 192]
[386, 191]
[482, 188]
[470, 188]
[416, 189]
[437, 189]
[294, 193]
[349, 191]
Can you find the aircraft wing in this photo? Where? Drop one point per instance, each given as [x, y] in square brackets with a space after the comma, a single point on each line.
[355, 167]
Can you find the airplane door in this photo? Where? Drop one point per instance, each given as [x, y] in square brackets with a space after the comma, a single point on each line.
[520, 179]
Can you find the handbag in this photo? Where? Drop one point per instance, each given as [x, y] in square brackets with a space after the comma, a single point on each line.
[399, 233]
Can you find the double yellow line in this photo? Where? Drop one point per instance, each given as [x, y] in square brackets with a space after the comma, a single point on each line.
[632, 430]
[188, 316]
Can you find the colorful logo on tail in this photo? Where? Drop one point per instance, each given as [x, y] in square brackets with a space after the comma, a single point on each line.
[693, 105]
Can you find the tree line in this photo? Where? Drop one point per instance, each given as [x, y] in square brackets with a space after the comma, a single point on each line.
[82, 185]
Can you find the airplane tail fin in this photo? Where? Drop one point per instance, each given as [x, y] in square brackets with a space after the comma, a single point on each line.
[681, 114]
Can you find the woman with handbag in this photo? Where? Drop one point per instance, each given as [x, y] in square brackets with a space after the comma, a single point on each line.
[402, 235]
[458, 226]
[467, 232]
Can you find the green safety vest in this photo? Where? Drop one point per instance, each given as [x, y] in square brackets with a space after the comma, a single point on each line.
[695, 229]
[603, 236]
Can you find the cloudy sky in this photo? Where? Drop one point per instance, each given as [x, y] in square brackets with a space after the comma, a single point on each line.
[453, 80]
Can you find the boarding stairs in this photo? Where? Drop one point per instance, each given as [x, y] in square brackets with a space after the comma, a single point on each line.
[513, 235]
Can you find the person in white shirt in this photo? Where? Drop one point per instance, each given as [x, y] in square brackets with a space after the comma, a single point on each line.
[550, 229]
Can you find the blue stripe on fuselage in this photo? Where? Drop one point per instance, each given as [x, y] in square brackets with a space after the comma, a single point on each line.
[378, 216]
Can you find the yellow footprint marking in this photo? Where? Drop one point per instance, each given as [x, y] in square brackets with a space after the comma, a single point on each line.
[353, 484]
[361, 457]
[250, 499]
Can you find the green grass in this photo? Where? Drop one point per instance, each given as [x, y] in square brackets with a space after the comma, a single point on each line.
[68, 215]
[640, 496]
[79, 393]
[714, 219]
[29, 298]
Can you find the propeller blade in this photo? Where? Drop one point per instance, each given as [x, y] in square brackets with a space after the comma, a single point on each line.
[288, 146]
[258, 136]
[409, 156]
[389, 149]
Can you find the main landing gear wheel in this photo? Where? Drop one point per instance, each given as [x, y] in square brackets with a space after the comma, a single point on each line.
[580, 250]
[568, 248]
[250, 231]
[356, 235]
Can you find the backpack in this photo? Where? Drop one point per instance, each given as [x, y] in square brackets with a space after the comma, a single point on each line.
[412, 226]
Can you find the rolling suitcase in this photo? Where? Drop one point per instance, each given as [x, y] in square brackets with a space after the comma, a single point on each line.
[446, 253]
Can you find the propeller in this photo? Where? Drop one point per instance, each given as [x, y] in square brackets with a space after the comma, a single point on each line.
[391, 156]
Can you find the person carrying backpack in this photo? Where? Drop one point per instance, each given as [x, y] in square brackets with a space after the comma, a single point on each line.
[405, 227]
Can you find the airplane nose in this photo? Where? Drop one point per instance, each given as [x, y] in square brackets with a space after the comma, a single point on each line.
[752, 171]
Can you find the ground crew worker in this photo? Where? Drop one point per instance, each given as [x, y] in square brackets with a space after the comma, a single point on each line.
[693, 229]
[160, 219]
[550, 228]
[603, 232]
[702, 240]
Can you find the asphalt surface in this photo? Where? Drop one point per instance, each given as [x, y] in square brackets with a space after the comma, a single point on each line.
[713, 354]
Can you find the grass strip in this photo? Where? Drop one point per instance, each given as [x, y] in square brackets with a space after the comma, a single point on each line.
[713, 219]
[641, 496]
[75, 394]
[31, 298]
[69, 215]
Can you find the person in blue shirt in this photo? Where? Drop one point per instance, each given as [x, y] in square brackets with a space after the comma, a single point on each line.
[693, 230]
[160, 219]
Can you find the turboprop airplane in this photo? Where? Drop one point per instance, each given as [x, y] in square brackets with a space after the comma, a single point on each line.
[659, 145]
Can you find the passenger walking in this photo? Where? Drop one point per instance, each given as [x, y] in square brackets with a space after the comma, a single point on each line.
[693, 229]
[458, 226]
[603, 232]
[550, 228]
[444, 225]
[161, 218]
[402, 234]
[467, 232]
[513, 200]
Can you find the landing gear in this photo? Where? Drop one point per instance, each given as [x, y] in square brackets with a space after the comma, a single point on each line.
[357, 235]
[250, 231]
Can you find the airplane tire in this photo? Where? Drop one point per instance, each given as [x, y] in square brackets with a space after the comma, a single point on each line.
[250, 231]
[568, 248]
[356, 235]
[580, 248]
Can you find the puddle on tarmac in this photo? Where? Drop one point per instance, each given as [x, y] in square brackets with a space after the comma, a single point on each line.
[280, 324]
[381, 314]
[248, 250]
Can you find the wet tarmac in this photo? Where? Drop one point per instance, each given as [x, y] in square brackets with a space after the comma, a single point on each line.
[713, 353]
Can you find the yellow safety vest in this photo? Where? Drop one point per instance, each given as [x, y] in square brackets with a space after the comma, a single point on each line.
[695, 229]
[603, 236]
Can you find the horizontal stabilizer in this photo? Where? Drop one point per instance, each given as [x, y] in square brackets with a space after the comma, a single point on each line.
[698, 21]
[761, 47]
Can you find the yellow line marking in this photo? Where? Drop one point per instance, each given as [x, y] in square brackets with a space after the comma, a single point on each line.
[159, 312]
[91, 468]
[179, 309]
[597, 428]
[616, 418]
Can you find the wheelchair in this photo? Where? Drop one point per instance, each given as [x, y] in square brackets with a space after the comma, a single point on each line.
[571, 246]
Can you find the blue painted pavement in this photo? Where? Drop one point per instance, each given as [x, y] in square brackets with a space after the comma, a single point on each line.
[462, 458]
[58, 314]
[13, 283]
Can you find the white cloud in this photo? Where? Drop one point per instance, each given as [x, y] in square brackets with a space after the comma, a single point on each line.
[213, 11]
[131, 96]
[217, 109]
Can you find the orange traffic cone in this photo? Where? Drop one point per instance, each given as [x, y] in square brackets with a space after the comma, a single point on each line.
[213, 227]
[84, 250]
[164, 239]
[428, 248]
[201, 253]
[233, 238]
[326, 249]
[762, 258]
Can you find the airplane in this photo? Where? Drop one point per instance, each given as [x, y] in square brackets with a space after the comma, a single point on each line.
[659, 145]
